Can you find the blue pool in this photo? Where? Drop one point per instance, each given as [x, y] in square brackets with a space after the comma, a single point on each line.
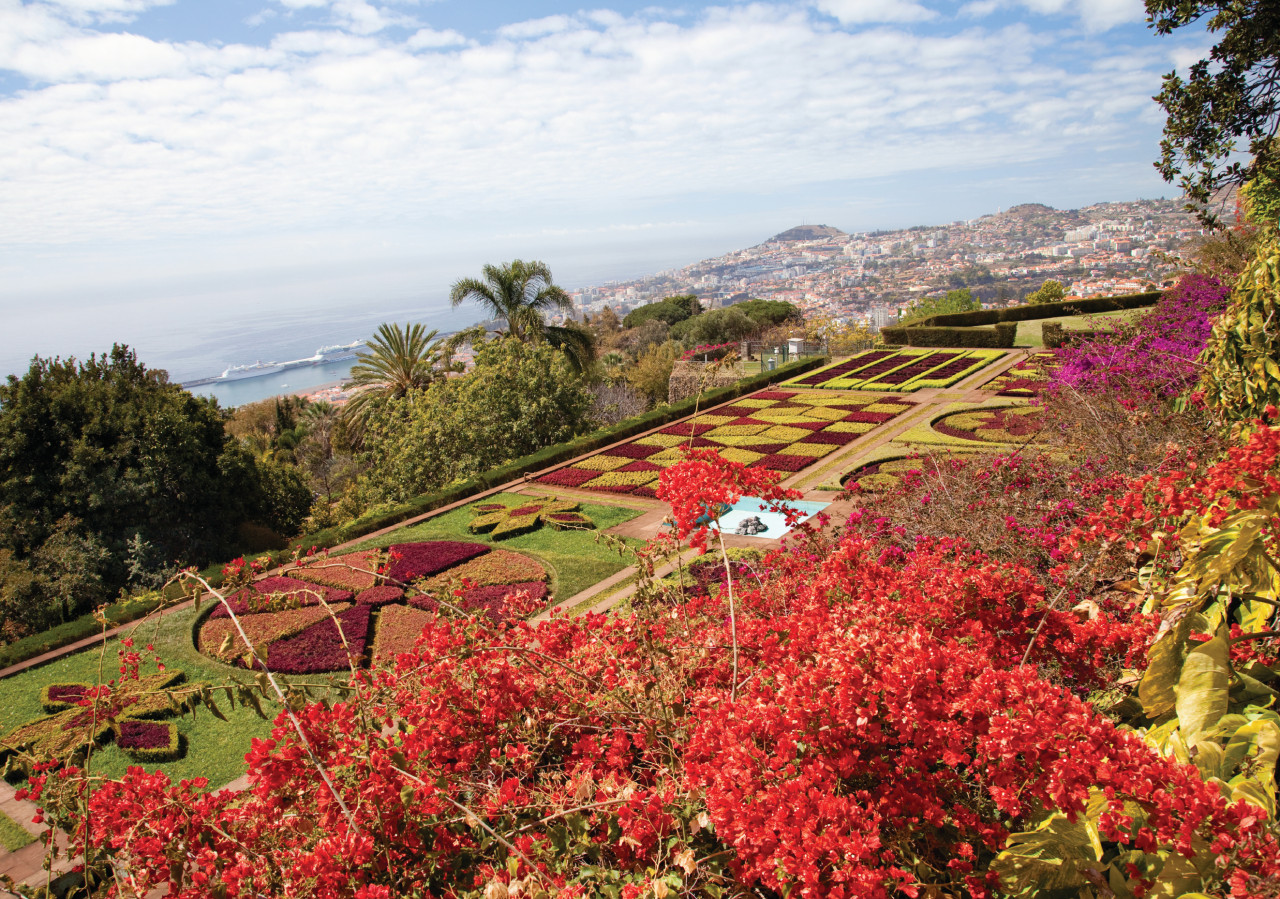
[775, 522]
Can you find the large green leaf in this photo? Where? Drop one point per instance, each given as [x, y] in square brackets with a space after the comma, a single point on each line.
[1164, 666]
[1052, 858]
[1203, 687]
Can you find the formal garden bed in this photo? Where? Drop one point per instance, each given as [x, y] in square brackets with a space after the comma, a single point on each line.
[902, 370]
[322, 630]
[1006, 425]
[1025, 380]
[780, 430]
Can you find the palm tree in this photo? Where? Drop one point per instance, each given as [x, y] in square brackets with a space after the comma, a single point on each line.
[523, 293]
[398, 361]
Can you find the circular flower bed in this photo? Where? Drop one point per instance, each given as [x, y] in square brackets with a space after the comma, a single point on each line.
[1013, 424]
[391, 594]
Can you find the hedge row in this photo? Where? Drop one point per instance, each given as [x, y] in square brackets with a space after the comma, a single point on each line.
[553, 455]
[1055, 336]
[999, 337]
[1044, 310]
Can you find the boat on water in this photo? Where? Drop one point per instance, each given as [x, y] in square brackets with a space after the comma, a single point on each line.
[337, 353]
[256, 370]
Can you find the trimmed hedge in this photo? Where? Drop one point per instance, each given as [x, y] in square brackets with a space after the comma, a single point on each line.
[1053, 335]
[999, 337]
[1044, 310]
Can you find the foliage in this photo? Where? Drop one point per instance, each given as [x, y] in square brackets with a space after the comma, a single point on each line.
[717, 326]
[871, 718]
[1241, 374]
[960, 299]
[766, 313]
[127, 456]
[1048, 292]
[1229, 97]
[396, 362]
[671, 310]
[652, 371]
[518, 398]
[523, 293]
[1155, 357]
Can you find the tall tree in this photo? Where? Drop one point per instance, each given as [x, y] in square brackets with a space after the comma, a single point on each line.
[398, 360]
[1232, 96]
[524, 293]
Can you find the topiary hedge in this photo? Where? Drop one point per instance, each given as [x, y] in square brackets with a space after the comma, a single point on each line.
[1043, 310]
[999, 337]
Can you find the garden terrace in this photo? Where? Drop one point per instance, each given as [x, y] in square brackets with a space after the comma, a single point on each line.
[780, 430]
[902, 371]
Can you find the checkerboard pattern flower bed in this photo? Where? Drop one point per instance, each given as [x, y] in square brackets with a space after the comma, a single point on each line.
[782, 430]
[900, 371]
[296, 636]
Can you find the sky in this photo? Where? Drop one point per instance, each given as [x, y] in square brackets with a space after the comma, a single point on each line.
[168, 167]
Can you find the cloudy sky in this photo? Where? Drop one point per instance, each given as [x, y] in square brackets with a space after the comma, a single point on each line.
[163, 161]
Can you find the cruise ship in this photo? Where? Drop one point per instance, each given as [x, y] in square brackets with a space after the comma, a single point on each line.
[335, 353]
[256, 370]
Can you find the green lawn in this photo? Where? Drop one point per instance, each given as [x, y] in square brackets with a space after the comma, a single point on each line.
[215, 749]
[1029, 333]
[576, 559]
[13, 836]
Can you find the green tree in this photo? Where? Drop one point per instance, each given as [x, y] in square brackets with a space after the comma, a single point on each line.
[1049, 292]
[398, 360]
[716, 326]
[1231, 97]
[518, 398]
[959, 300]
[524, 293]
[1241, 368]
[671, 310]
[651, 374]
[767, 313]
[127, 455]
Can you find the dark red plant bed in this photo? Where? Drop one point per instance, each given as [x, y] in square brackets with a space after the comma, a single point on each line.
[634, 451]
[870, 418]
[491, 600]
[777, 395]
[423, 559]
[688, 429]
[319, 648]
[784, 463]
[574, 477]
[380, 596]
[834, 438]
[640, 465]
[142, 735]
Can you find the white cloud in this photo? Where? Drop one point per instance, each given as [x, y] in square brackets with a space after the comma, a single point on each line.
[536, 27]
[129, 138]
[1094, 15]
[859, 12]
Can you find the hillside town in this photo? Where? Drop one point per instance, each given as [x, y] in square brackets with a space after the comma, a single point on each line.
[1100, 250]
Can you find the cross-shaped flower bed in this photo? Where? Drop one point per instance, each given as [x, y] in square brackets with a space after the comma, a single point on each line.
[780, 430]
[1013, 424]
[299, 624]
[501, 522]
[83, 714]
[901, 371]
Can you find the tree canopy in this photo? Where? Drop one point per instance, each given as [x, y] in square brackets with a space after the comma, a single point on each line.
[958, 300]
[671, 310]
[106, 461]
[1229, 102]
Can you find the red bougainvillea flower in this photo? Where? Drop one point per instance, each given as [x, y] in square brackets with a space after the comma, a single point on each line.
[703, 481]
